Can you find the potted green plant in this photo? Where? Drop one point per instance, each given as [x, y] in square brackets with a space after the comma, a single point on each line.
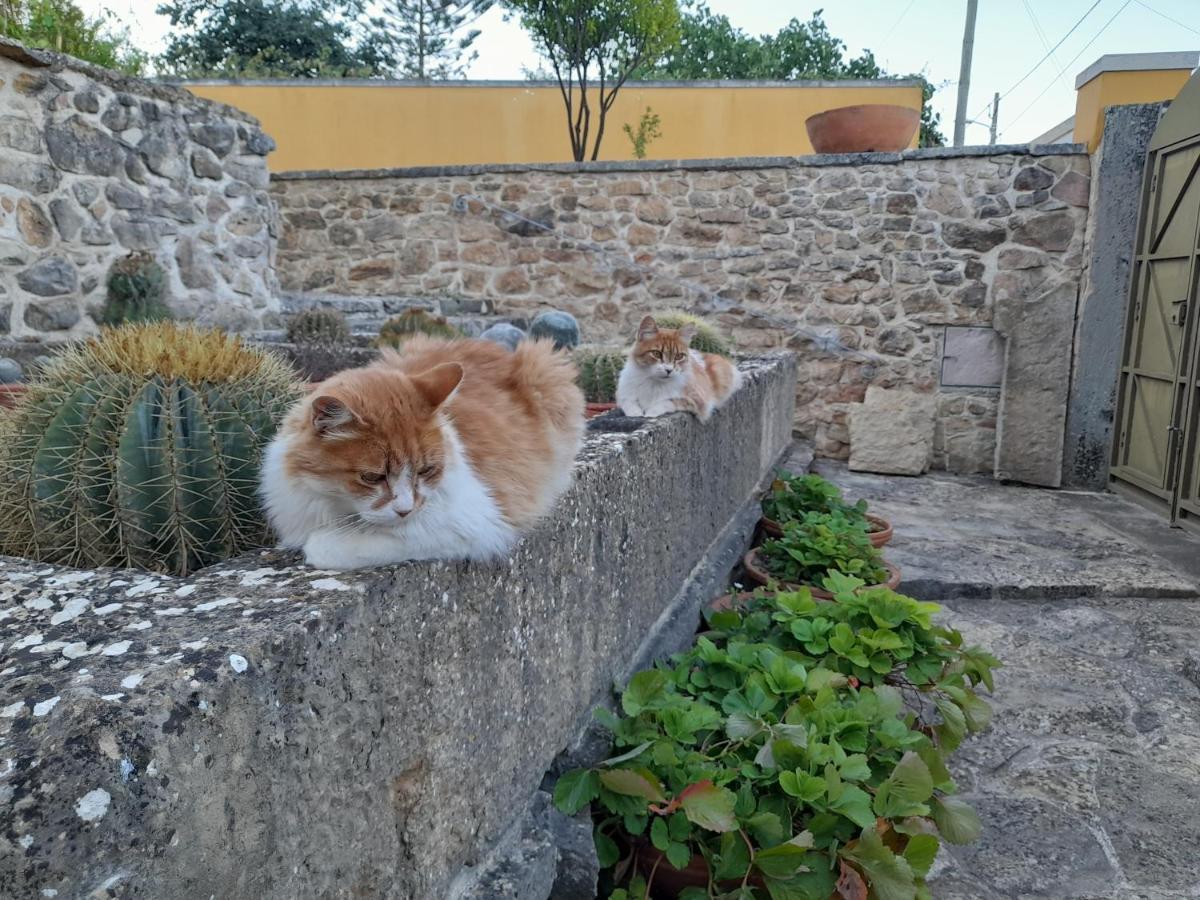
[815, 546]
[791, 496]
[598, 370]
[778, 757]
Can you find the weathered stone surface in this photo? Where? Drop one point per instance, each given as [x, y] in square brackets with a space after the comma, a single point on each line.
[10, 369]
[1033, 178]
[972, 357]
[283, 705]
[259, 143]
[76, 146]
[86, 102]
[5, 318]
[892, 432]
[49, 278]
[52, 315]
[219, 137]
[1037, 378]
[27, 174]
[1052, 231]
[164, 148]
[33, 223]
[67, 218]
[195, 265]
[559, 326]
[1073, 188]
[206, 165]
[19, 133]
[973, 237]
[122, 196]
[504, 333]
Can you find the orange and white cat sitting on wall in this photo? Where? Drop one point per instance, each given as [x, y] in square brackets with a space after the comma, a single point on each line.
[448, 450]
[663, 375]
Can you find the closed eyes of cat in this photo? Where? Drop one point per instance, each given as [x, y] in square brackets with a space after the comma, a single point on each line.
[374, 478]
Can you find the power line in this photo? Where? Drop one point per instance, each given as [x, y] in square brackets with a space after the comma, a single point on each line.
[1044, 58]
[1168, 18]
[896, 24]
[1037, 27]
[1072, 60]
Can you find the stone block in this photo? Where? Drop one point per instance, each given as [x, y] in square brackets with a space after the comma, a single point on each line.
[891, 432]
[972, 357]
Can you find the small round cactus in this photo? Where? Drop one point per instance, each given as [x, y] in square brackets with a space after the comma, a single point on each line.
[137, 286]
[557, 325]
[318, 326]
[504, 334]
[706, 338]
[398, 329]
[141, 448]
[599, 368]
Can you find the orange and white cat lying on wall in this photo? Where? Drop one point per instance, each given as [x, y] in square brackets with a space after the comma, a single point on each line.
[449, 450]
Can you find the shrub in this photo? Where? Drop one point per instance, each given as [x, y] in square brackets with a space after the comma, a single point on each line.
[398, 329]
[706, 338]
[318, 326]
[141, 448]
[599, 369]
[818, 544]
[137, 286]
[759, 751]
[793, 496]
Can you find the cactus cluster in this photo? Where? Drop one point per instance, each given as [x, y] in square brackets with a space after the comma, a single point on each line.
[398, 329]
[141, 448]
[599, 368]
[706, 338]
[318, 326]
[137, 286]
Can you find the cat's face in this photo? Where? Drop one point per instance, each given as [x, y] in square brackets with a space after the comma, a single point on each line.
[662, 353]
[376, 443]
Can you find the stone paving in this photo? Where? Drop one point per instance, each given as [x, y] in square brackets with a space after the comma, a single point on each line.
[1088, 781]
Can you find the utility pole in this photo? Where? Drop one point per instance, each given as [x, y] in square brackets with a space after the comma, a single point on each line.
[964, 73]
[995, 118]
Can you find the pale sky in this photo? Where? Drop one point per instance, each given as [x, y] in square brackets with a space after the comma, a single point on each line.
[1011, 38]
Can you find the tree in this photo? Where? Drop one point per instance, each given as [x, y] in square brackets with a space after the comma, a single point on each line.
[62, 26]
[274, 39]
[710, 47]
[596, 44]
[427, 39]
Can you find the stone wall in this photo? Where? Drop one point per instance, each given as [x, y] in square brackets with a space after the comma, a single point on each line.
[266, 730]
[858, 262]
[94, 165]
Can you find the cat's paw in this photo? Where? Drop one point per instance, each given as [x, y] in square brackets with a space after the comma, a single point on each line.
[324, 552]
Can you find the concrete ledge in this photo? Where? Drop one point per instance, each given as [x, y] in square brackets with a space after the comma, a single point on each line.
[849, 83]
[266, 730]
[668, 165]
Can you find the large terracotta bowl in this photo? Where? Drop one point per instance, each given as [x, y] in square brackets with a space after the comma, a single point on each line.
[861, 129]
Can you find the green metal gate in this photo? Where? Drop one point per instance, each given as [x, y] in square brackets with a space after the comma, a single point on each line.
[1157, 450]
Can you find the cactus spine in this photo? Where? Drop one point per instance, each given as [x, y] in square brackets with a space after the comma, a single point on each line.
[398, 329]
[136, 288]
[141, 448]
[599, 369]
[706, 339]
[318, 326]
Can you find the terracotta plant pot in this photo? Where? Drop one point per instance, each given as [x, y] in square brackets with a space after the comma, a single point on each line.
[757, 571]
[871, 127]
[591, 410]
[11, 394]
[880, 534]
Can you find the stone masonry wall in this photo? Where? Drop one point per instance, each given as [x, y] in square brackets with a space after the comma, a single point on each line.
[94, 165]
[856, 261]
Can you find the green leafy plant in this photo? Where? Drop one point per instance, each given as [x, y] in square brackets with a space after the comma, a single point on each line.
[141, 448]
[318, 326]
[794, 496]
[137, 286]
[64, 27]
[784, 773]
[599, 369]
[820, 544]
[647, 131]
[398, 329]
[706, 339]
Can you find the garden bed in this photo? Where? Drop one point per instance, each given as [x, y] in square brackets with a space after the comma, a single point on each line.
[263, 729]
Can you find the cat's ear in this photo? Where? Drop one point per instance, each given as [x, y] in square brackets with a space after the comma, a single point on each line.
[686, 333]
[437, 384]
[329, 414]
[648, 330]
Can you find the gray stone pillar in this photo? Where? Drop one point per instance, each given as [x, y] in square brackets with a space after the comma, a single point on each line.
[1100, 321]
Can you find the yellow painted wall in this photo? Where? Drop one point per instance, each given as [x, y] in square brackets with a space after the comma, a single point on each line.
[362, 125]
[1116, 89]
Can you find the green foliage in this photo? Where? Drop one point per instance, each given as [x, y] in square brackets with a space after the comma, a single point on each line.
[599, 369]
[141, 448]
[779, 757]
[819, 544]
[398, 329]
[710, 47]
[274, 39]
[137, 286]
[427, 38]
[647, 131]
[793, 496]
[62, 26]
[707, 339]
[318, 326]
[596, 44]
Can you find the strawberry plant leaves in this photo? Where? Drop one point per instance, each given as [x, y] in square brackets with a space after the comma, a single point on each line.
[850, 885]
[783, 861]
[976, 711]
[659, 836]
[625, 757]
[678, 855]
[575, 790]
[646, 690]
[630, 783]
[855, 768]
[709, 806]
[957, 822]
[606, 850]
[766, 829]
[890, 876]
[679, 827]
[855, 804]
[740, 726]
[733, 858]
[920, 853]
